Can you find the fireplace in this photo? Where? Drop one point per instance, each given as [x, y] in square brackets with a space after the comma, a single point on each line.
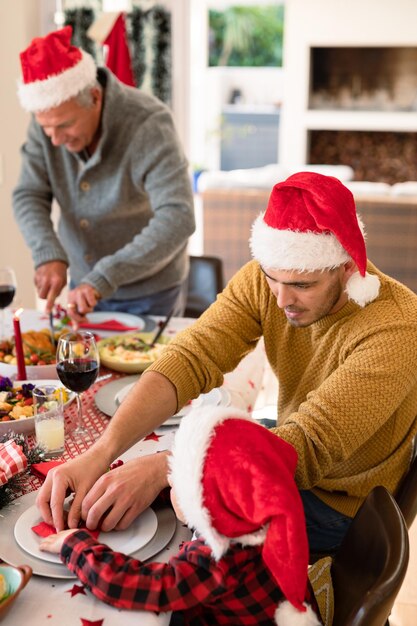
[389, 157]
[363, 78]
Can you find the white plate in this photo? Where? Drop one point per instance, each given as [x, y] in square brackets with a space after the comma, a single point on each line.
[25, 426]
[127, 541]
[98, 317]
[12, 553]
[109, 397]
[105, 398]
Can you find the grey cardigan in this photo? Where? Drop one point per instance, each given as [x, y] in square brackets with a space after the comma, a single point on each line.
[125, 213]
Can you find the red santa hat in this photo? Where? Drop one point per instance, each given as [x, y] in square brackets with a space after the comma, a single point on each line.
[53, 71]
[234, 481]
[311, 224]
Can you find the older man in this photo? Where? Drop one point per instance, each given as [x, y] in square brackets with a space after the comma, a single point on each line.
[341, 338]
[110, 156]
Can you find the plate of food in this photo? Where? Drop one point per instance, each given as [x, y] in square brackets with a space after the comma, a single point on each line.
[131, 352]
[39, 352]
[16, 404]
[139, 533]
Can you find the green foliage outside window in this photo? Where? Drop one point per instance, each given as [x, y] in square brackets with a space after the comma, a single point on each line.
[248, 36]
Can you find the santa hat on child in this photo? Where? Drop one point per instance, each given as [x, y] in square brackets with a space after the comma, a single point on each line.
[310, 224]
[234, 481]
[53, 71]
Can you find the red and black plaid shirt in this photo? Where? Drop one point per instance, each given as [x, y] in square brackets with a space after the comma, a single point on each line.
[238, 589]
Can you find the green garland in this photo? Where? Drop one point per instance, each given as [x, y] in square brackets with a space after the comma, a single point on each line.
[161, 70]
[81, 20]
[136, 36]
[33, 455]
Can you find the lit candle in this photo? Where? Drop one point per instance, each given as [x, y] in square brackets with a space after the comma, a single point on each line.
[20, 357]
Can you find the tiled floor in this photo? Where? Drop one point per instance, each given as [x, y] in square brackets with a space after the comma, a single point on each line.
[405, 608]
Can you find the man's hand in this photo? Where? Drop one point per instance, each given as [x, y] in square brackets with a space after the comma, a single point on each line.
[81, 301]
[50, 279]
[119, 496]
[76, 476]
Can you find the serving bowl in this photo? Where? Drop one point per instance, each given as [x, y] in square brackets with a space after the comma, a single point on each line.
[127, 353]
[15, 578]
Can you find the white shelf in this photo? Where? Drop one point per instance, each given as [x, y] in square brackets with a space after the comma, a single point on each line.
[361, 120]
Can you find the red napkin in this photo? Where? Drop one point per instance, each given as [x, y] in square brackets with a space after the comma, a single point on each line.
[40, 470]
[44, 530]
[12, 461]
[107, 325]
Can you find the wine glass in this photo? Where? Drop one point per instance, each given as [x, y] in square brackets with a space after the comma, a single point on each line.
[7, 292]
[77, 365]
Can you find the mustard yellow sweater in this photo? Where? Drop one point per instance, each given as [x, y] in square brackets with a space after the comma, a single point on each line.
[347, 383]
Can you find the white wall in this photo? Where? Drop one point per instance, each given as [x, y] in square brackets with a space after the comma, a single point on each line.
[19, 23]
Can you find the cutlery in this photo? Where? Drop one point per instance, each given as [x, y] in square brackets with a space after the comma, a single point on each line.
[51, 328]
[159, 332]
[162, 328]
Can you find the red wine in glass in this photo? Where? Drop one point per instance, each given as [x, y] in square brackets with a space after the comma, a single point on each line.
[77, 365]
[79, 374]
[7, 292]
[6, 295]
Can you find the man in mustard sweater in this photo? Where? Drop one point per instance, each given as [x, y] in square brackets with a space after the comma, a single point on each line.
[341, 338]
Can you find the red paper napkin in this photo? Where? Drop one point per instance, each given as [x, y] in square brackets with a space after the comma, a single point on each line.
[40, 470]
[107, 325]
[44, 530]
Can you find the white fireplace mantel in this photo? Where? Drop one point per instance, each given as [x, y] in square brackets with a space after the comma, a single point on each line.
[333, 23]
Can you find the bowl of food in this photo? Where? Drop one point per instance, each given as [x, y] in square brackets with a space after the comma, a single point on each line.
[16, 404]
[131, 353]
[12, 581]
[39, 353]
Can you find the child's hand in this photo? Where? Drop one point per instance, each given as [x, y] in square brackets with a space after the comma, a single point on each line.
[53, 543]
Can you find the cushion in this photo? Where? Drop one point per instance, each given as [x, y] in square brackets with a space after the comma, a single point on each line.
[320, 579]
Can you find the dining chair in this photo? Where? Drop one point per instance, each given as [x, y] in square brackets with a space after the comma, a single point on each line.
[406, 495]
[369, 567]
[205, 281]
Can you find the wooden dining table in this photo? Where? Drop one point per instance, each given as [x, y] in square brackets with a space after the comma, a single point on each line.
[53, 601]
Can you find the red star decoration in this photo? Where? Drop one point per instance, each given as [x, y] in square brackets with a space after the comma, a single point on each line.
[75, 590]
[87, 622]
[152, 437]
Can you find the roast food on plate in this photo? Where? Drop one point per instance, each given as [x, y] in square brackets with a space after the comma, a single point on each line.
[130, 352]
[37, 348]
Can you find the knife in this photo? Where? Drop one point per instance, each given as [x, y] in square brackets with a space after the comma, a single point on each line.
[51, 328]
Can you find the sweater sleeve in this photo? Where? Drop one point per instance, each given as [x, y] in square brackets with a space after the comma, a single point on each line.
[196, 360]
[158, 166]
[32, 202]
[188, 579]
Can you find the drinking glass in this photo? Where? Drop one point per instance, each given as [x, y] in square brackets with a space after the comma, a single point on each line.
[7, 292]
[77, 364]
[48, 409]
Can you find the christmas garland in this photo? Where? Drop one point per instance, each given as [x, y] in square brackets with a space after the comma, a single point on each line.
[81, 20]
[161, 70]
[160, 20]
[33, 455]
[138, 50]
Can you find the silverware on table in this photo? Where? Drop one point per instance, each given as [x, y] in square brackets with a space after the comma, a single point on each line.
[51, 328]
[162, 326]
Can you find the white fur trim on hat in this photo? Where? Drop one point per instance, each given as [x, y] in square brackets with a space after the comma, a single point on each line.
[191, 444]
[363, 289]
[293, 250]
[42, 95]
[287, 615]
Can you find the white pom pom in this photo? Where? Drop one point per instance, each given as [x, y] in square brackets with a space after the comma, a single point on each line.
[362, 289]
[287, 615]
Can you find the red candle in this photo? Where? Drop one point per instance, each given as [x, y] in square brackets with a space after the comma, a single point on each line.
[21, 367]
